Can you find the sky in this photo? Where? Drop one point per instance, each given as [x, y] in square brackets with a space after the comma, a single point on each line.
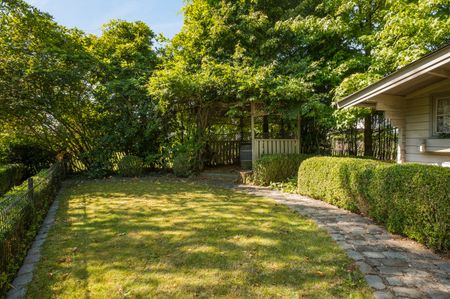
[163, 16]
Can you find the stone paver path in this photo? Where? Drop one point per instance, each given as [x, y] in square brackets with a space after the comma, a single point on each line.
[25, 275]
[394, 267]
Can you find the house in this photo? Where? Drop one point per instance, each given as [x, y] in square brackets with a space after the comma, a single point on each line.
[416, 99]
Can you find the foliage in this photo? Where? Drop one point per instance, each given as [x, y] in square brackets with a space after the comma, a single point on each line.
[409, 199]
[276, 168]
[182, 165]
[178, 230]
[10, 176]
[393, 34]
[290, 186]
[80, 94]
[33, 154]
[44, 79]
[24, 217]
[131, 166]
[131, 121]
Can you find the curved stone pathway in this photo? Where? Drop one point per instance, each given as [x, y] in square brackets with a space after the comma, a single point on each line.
[393, 266]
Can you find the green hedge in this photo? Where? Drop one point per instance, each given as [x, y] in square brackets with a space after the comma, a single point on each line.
[10, 176]
[409, 199]
[276, 168]
[20, 219]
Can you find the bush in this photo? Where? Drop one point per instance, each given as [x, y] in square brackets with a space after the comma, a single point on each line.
[20, 223]
[335, 180]
[10, 176]
[182, 165]
[409, 199]
[131, 166]
[276, 168]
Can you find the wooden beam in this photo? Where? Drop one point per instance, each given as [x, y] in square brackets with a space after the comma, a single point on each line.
[440, 73]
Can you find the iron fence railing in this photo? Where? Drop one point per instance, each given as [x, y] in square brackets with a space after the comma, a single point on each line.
[21, 212]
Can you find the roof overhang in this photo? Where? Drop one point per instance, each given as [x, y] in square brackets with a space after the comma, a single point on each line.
[431, 69]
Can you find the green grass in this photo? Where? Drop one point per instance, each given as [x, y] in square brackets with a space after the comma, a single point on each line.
[141, 238]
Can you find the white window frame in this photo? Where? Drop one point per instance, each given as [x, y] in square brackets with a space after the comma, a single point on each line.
[435, 115]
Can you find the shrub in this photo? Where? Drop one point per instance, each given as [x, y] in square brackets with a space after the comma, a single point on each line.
[131, 166]
[19, 225]
[413, 200]
[335, 180]
[182, 165]
[10, 176]
[276, 168]
[409, 199]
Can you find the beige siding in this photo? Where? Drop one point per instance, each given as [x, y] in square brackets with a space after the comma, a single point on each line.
[418, 122]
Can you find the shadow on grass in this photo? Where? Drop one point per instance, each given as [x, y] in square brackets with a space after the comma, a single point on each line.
[140, 238]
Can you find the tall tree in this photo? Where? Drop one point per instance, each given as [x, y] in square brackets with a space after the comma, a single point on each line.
[127, 58]
[44, 75]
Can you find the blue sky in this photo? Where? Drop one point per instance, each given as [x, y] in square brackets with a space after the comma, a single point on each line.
[88, 15]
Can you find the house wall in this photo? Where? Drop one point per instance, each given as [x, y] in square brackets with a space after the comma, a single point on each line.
[418, 115]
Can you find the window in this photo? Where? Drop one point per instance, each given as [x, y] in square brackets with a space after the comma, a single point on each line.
[442, 115]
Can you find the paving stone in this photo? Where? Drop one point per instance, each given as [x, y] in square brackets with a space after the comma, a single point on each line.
[444, 266]
[437, 294]
[374, 255]
[365, 268]
[407, 292]
[382, 295]
[17, 294]
[390, 270]
[355, 255]
[375, 282]
[26, 268]
[394, 280]
[395, 255]
[337, 237]
[21, 280]
[374, 262]
[394, 262]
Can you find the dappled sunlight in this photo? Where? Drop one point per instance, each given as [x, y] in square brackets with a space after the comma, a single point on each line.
[118, 238]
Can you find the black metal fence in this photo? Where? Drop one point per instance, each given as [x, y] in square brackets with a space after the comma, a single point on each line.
[21, 212]
[374, 137]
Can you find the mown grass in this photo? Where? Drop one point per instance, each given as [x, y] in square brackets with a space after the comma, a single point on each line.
[142, 238]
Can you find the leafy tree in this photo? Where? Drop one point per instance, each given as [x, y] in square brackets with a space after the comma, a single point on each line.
[44, 75]
[131, 119]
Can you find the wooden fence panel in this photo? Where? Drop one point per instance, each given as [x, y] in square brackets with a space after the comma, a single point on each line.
[223, 153]
[274, 146]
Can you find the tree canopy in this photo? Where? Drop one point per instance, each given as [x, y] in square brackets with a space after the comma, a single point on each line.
[95, 95]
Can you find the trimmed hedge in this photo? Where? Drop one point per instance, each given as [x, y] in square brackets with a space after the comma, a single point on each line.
[276, 168]
[409, 199]
[21, 218]
[10, 176]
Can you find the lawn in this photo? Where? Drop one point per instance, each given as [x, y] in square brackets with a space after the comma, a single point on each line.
[141, 238]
